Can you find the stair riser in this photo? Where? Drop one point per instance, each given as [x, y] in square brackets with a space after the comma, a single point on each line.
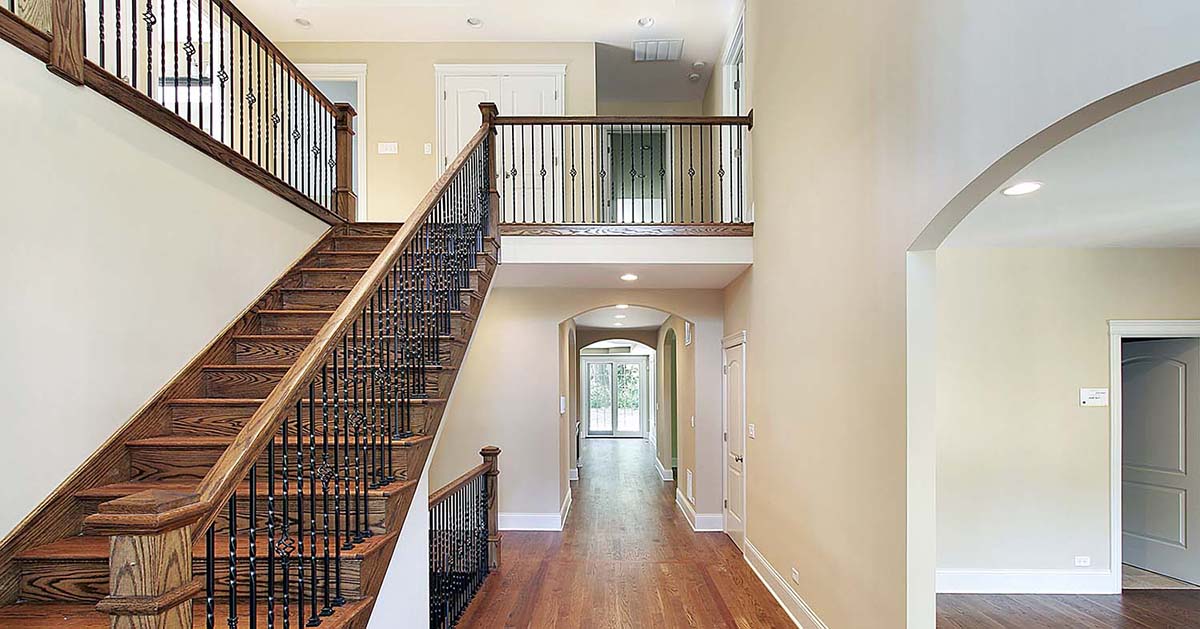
[307, 323]
[87, 581]
[342, 278]
[283, 352]
[372, 244]
[369, 229]
[360, 259]
[220, 421]
[254, 383]
[330, 299]
[191, 464]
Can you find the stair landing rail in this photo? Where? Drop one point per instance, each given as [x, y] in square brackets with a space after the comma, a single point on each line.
[288, 496]
[464, 539]
[203, 72]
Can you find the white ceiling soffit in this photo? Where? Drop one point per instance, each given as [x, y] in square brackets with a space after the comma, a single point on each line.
[613, 24]
[656, 276]
[1130, 181]
[633, 317]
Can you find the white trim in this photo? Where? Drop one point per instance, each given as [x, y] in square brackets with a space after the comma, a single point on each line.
[700, 522]
[792, 603]
[664, 473]
[443, 70]
[585, 392]
[735, 339]
[573, 474]
[536, 521]
[729, 342]
[565, 509]
[735, 43]
[358, 72]
[1117, 330]
[1027, 581]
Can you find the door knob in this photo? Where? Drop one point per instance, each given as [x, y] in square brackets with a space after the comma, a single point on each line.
[738, 459]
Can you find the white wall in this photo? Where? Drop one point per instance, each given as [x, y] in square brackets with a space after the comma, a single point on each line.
[507, 393]
[126, 251]
[1022, 469]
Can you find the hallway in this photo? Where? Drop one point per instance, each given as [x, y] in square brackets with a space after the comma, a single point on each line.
[627, 558]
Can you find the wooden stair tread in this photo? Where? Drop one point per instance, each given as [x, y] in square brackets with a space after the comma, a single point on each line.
[278, 367]
[85, 616]
[329, 313]
[113, 491]
[95, 547]
[230, 401]
[309, 337]
[185, 442]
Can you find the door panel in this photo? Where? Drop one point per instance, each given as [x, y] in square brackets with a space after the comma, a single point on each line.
[1160, 390]
[629, 399]
[735, 444]
[460, 109]
[599, 398]
[536, 149]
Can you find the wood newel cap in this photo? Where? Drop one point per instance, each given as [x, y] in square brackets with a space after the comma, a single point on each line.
[145, 513]
[150, 501]
[490, 454]
[489, 111]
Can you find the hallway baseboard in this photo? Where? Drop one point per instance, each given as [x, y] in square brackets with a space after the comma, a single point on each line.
[663, 473]
[1025, 582]
[536, 521]
[573, 474]
[700, 522]
[791, 601]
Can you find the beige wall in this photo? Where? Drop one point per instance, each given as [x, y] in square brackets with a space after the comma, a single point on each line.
[685, 365]
[114, 282]
[1023, 469]
[869, 118]
[648, 108]
[401, 105]
[507, 393]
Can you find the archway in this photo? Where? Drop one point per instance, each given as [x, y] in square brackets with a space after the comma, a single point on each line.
[929, 342]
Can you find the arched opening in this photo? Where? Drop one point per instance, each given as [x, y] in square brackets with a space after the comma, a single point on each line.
[1018, 460]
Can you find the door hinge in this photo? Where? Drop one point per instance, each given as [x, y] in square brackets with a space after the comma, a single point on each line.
[555, 94]
[725, 369]
[725, 436]
[737, 85]
[727, 504]
[444, 96]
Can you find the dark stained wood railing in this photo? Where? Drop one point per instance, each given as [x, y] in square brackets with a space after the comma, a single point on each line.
[203, 72]
[320, 439]
[624, 175]
[464, 539]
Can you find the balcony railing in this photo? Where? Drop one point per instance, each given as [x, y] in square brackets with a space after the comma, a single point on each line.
[623, 171]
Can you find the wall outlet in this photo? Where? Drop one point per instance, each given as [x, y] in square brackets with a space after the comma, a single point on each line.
[428, 148]
[796, 576]
[693, 421]
[1082, 561]
[562, 405]
[388, 148]
[691, 498]
[750, 430]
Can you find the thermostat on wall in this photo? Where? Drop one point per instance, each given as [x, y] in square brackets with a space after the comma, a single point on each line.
[1093, 397]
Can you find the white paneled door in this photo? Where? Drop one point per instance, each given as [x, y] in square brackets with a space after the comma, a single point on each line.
[1160, 452]
[461, 96]
[735, 442]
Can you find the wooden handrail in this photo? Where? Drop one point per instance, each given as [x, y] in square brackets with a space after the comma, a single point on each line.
[251, 441]
[471, 474]
[747, 120]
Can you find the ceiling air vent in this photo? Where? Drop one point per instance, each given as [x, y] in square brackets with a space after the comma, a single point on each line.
[657, 49]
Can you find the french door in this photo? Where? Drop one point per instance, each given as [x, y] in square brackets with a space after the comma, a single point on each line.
[614, 395]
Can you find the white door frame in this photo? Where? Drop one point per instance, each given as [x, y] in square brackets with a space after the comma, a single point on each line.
[357, 72]
[443, 70]
[584, 392]
[1118, 330]
[733, 340]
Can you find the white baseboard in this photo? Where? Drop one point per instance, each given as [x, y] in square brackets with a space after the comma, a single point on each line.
[536, 521]
[573, 474]
[564, 510]
[700, 522]
[1025, 582]
[663, 473]
[796, 608]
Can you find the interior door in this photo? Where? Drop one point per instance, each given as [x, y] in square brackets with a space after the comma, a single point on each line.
[735, 443]
[1160, 490]
[461, 96]
[598, 398]
[537, 149]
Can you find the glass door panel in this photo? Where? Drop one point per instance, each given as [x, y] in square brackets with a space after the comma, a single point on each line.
[600, 398]
[628, 386]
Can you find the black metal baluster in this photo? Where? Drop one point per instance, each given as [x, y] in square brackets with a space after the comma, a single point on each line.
[314, 619]
[188, 50]
[210, 580]
[252, 547]
[348, 420]
[231, 617]
[338, 418]
[271, 532]
[286, 545]
[300, 513]
[325, 473]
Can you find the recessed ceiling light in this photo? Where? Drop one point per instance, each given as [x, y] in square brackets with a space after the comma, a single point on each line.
[629, 277]
[693, 77]
[646, 22]
[619, 316]
[622, 306]
[699, 65]
[475, 22]
[303, 23]
[1025, 187]
[618, 324]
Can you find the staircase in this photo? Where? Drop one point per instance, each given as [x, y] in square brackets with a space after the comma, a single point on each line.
[167, 459]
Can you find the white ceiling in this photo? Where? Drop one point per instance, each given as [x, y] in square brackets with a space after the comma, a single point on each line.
[635, 317]
[702, 24]
[584, 275]
[1130, 181]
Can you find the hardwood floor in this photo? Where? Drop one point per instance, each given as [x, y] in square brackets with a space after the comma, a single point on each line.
[627, 558]
[1135, 609]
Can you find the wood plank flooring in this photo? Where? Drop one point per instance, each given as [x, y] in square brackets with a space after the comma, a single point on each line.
[627, 558]
[1135, 609]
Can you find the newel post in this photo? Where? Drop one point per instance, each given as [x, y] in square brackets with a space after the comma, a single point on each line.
[345, 201]
[490, 454]
[489, 112]
[66, 43]
[149, 559]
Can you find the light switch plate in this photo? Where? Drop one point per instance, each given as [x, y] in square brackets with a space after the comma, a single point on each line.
[1093, 397]
[750, 430]
[693, 421]
[388, 148]
[428, 148]
[562, 404]
[1083, 561]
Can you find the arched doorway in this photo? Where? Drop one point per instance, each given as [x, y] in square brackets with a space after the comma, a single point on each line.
[670, 360]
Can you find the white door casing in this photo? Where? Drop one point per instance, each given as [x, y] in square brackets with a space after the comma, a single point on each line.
[1160, 485]
[734, 413]
[612, 364]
